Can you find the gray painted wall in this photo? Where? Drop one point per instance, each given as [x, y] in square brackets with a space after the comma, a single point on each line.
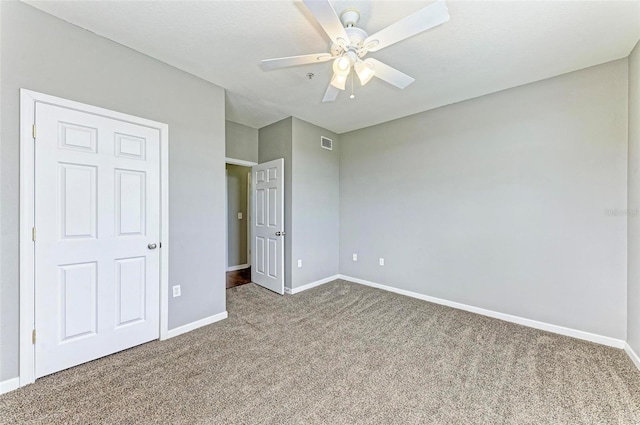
[274, 142]
[45, 54]
[241, 141]
[633, 218]
[237, 203]
[311, 197]
[499, 202]
[315, 208]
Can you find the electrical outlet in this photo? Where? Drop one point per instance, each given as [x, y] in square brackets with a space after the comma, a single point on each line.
[299, 263]
[176, 291]
[381, 261]
[239, 216]
[355, 257]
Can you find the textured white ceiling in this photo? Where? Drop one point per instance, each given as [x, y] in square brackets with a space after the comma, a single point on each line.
[487, 46]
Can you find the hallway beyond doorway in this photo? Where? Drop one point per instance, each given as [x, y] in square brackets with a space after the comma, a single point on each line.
[238, 277]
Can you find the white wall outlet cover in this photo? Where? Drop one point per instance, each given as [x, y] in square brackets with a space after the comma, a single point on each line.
[355, 257]
[176, 291]
[299, 263]
[381, 261]
[239, 216]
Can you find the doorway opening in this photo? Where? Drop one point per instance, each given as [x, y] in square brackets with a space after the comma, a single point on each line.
[238, 181]
[263, 220]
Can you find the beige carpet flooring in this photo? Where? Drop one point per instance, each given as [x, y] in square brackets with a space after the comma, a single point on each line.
[342, 354]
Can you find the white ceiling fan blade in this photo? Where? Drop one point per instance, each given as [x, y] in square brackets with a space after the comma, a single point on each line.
[390, 75]
[422, 20]
[331, 93]
[269, 64]
[328, 19]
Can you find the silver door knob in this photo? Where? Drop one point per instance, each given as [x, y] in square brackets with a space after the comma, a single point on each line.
[281, 233]
[152, 246]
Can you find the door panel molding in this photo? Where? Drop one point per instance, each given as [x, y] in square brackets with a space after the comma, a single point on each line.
[78, 140]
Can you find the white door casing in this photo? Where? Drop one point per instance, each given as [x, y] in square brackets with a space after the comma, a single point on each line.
[248, 218]
[267, 246]
[94, 187]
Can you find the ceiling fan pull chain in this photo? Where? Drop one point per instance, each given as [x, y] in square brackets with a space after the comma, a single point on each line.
[352, 93]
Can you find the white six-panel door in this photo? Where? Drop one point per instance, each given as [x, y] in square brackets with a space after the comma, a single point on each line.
[97, 225]
[267, 246]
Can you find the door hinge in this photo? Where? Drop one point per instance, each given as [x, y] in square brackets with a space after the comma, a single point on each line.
[33, 336]
[33, 234]
[33, 130]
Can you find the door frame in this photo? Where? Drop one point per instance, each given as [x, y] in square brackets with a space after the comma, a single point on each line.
[28, 99]
[243, 163]
[249, 216]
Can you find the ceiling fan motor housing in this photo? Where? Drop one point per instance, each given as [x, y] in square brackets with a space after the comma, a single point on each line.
[357, 36]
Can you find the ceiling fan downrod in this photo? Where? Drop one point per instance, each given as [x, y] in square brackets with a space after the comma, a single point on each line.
[350, 17]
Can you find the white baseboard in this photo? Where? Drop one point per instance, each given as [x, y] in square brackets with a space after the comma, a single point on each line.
[587, 336]
[311, 285]
[238, 267]
[9, 385]
[197, 324]
[632, 355]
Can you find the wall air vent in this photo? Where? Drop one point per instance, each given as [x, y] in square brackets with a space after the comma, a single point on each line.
[326, 143]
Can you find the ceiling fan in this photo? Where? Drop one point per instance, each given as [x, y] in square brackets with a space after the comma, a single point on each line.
[349, 45]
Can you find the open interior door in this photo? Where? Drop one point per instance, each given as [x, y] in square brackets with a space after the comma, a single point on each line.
[267, 244]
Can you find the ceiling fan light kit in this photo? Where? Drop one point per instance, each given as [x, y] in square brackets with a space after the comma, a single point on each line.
[365, 70]
[349, 44]
[342, 65]
[339, 81]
